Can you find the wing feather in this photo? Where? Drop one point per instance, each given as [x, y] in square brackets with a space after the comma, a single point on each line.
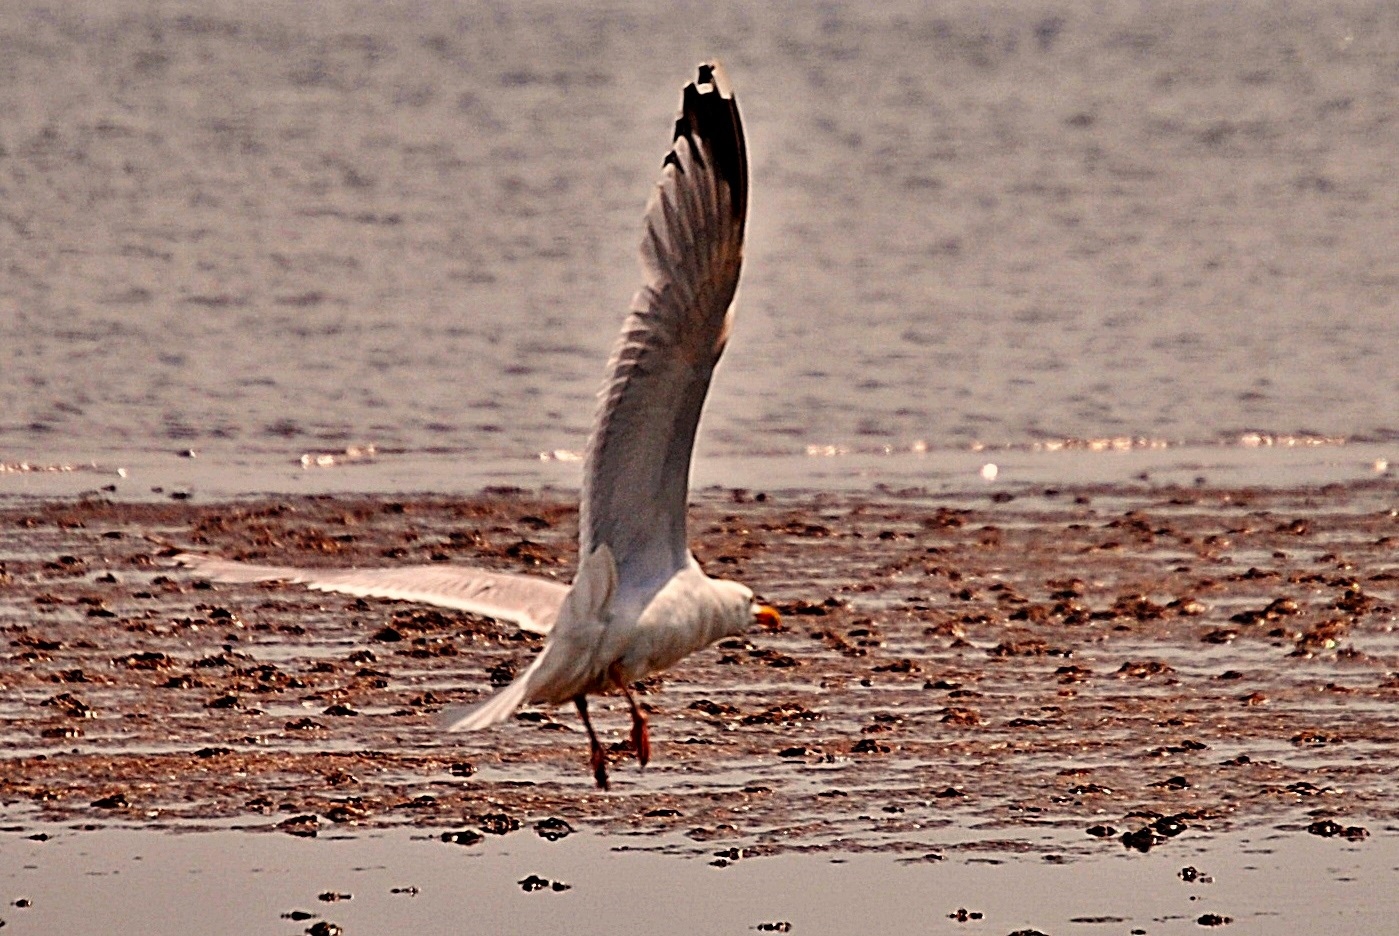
[637, 470]
[527, 601]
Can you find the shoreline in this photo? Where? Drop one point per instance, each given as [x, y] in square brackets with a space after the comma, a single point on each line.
[1135, 464]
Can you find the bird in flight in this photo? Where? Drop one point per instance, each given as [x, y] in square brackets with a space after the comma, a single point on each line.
[639, 602]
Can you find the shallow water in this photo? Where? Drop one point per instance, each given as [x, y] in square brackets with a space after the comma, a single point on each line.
[1267, 881]
[258, 232]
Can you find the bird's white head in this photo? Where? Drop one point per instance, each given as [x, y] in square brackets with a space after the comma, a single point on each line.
[741, 610]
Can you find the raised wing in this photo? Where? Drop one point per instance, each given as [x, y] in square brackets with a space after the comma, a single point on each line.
[637, 472]
[529, 602]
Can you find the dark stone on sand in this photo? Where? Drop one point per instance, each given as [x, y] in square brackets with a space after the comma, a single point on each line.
[1142, 839]
[715, 709]
[61, 732]
[70, 705]
[1314, 739]
[346, 812]
[1173, 783]
[1169, 826]
[304, 826]
[497, 823]
[212, 752]
[501, 674]
[1328, 828]
[1145, 669]
[146, 660]
[464, 837]
[781, 715]
[552, 829]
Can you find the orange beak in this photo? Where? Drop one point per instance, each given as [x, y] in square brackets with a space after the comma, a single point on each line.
[767, 616]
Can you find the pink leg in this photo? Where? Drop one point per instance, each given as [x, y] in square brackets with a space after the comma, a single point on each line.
[640, 731]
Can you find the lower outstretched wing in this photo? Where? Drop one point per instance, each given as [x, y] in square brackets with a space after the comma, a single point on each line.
[530, 602]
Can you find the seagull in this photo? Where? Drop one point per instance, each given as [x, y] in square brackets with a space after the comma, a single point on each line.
[639, 602]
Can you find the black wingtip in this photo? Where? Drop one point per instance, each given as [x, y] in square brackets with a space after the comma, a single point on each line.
[709, 112]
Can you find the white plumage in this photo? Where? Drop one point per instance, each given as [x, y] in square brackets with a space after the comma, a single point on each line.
[529, 602]
[639, 602]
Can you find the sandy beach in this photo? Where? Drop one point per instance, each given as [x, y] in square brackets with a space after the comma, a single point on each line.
[1128, 670]
[1084, 656]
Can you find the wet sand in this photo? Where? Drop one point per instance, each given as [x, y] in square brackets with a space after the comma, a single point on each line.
[1090, 659]
[395, 881]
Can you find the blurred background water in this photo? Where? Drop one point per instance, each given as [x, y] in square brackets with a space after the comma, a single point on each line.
[259, 230]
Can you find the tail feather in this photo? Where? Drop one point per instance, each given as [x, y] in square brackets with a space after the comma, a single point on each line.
[492, 711]
[568, 652]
